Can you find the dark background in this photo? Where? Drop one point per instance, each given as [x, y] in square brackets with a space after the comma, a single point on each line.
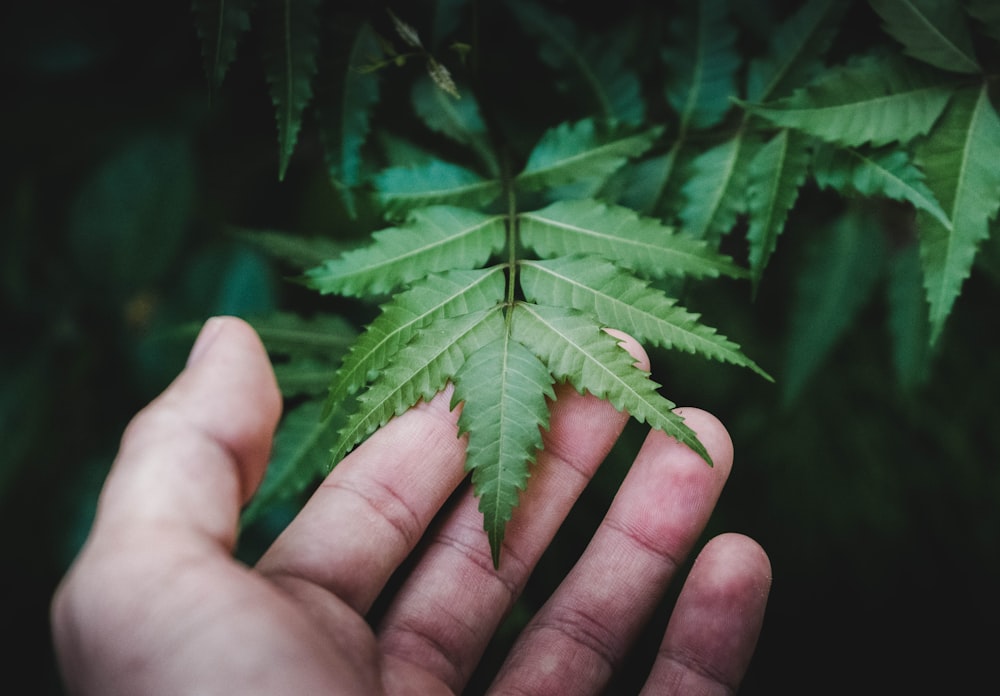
[877, 503]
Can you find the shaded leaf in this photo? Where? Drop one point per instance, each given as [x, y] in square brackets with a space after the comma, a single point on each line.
[930, 30]
[877, 100]
[458, 119]
[220, 24]
[960, 160]
[400, 189]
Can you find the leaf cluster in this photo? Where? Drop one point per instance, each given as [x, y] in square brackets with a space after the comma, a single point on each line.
[530, 199]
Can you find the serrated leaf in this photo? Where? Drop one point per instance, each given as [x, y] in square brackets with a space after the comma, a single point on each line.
[458, 119]
[777, 173]
[436, 297]
[930, 30]
[433, 239]
[876, 100]
[575, 349]
[795, 49]
[400, 189]
[504, 423]
[345, 122]
[620, 235]
[285, 333]
[715, 190]
[960, 160]
[418, 371]
[702, 63]
[290, 35]
[585, 65]
[836, 279]
[621, 301]
[220, 24]
[299, 251]
[300, 454]
[573, 152]
[888, 172]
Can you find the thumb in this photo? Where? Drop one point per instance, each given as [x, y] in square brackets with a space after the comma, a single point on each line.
[190, 459]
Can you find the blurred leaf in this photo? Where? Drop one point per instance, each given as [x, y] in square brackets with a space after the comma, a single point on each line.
[220, 23]
[131, 214]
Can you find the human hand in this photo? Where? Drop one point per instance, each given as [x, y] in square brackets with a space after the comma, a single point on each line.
[156, 604]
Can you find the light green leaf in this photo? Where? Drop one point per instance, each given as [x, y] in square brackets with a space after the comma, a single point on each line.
[290, 45]
[220, 24]
[458, 119]
[795, 49]
[960, 159]
[400, 189]
[620, 235]
[877, 100]
[421, 369]
[775, 177]
[435, 297]
[576, 350]
[933, 31]
[888, 172]
[503, 388]
[715, 191]
[702, 63]
[573, 152]
[621, 301]
[433, 239]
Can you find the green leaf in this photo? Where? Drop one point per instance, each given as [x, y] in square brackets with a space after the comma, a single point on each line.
[345, 121]
[401, 189]
[458, 119]
[794, 50]
[877, 100]
[290, 48]
[620, 235]
[419, 371]
[715, 191]
[300, 454]
[504, 423]
[595, 66]
[433, 239]
[888, 172]
[960, 159]
[930, 30]
[702, 63]
[576, 350]
[842, 264]
[777, 173]
[297, 250]
[572, 152]
[220, 24]
[436, 297]
[621, 301]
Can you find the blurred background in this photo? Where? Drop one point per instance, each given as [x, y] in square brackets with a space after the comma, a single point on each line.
[877, 501]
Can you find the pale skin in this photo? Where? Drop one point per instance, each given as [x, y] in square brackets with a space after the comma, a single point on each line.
[156, 604]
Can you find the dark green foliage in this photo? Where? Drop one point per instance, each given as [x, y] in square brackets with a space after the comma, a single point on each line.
[673, 145]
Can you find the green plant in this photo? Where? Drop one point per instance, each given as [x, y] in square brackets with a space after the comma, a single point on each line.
[526, 200]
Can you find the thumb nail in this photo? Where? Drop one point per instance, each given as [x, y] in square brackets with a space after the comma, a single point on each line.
[206, 337]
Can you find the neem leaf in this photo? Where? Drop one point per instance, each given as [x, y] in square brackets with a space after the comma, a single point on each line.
[933, 31]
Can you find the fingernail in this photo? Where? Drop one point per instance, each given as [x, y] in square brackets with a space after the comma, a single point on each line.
[209, 331]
